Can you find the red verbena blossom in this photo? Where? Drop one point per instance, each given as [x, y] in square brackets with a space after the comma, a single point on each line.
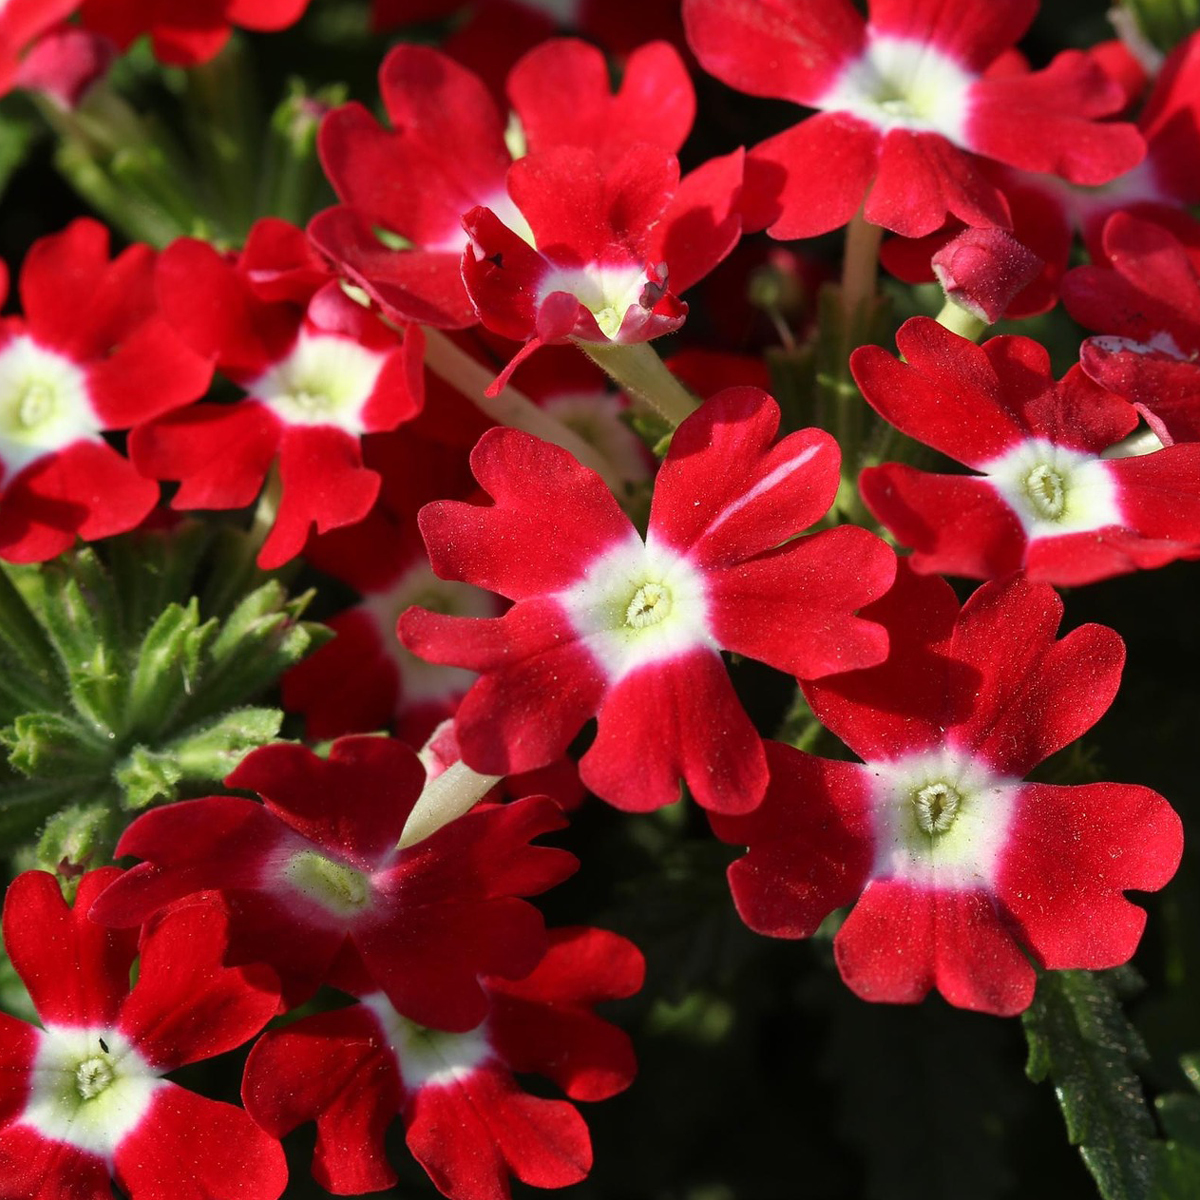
[448, 132]
[1046, 499]
[71, 369]
[605, 623]
[319, 371]
[1047, 212]
[911, 100]
[466, 1119]
[21, 23]
[960, 870]
[1146, 303]
[83, 1100]
[186, 32]
[315, 879]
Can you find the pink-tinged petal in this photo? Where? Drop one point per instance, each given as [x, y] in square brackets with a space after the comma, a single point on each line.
[955, 524]
[220, 453]
[543, 1024]
[793, 608]
[703, 222]
[428, 961]
[1069, 908]
[579, 206]
[186, 1006]
[149, 373]
[922, 178]
[984, 270]
[560, 91]
[901, 941]
[18, 1046]
[33, 1167]
[333, 1068]
[551, 518]
[1035, 694]
[65, 64]
[209, 305]
[503, 275]
[325, 486]
[792, 49]
[216, 842]
[504, 724]
[808, 844]
[77, 972]
[1058, 103]
[908, 701]
[971, 33]
[86, 490]
[188, 1147]
[468, 1134]
[726, 492]
[671, 721]
[376, 782]
[811, 178]
[408, 285]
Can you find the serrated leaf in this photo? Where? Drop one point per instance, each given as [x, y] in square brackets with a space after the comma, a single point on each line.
[1080, 1039]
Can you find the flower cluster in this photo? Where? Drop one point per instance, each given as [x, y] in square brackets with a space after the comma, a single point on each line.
[584, 574]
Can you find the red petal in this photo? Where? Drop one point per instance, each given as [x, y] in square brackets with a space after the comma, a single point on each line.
[77, 972]
[900, 941]
[671, 721]
[972, 34]
[34, 1168]
[190, 1148]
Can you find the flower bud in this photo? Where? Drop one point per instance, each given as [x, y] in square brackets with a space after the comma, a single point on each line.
[982, 270]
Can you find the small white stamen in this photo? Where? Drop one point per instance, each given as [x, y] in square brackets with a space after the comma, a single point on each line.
[936, 806]
[1047, 492]
[333, 885]
[35, 405]
[93, 1076]
[650, 605]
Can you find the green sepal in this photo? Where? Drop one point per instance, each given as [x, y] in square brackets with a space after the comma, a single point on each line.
[1080, 1039]
[79, 838]
[1165, 23]
[203, 755]
[53, 746]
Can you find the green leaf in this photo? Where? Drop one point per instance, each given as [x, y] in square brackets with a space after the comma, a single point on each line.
[1080, 1039]
[205, 754]
[168, 668]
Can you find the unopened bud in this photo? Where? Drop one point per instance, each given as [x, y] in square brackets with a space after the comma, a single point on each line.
[982, 270]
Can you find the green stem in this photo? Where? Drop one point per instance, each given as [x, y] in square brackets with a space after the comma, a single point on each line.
[639, 371]
[956, 319]
[860, 266]
[455, 791]
[509, 406]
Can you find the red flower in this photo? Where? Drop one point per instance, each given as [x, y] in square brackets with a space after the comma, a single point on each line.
[467, 1121]
[319, 370]
[82, 1100]
[21, 23]
[314, 876]
[1148, 302]
[910, 101]
[449, 133]
[68, 372]
[631, 631]
[186, 32]
[960, 870]
[1046, 498]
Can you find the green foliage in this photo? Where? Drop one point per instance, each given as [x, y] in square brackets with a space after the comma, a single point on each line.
[1080, 1039]
[121, 688]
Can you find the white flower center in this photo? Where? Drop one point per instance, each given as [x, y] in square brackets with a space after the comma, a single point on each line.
[902, 83]
[1054, 490]
[324, 380]
[428, 1057]
[940, 819]
[421, 680]
[88, 1088]
[336, 887]
[637, 604]
[596, 417]
[608, 293]
[44, 404]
